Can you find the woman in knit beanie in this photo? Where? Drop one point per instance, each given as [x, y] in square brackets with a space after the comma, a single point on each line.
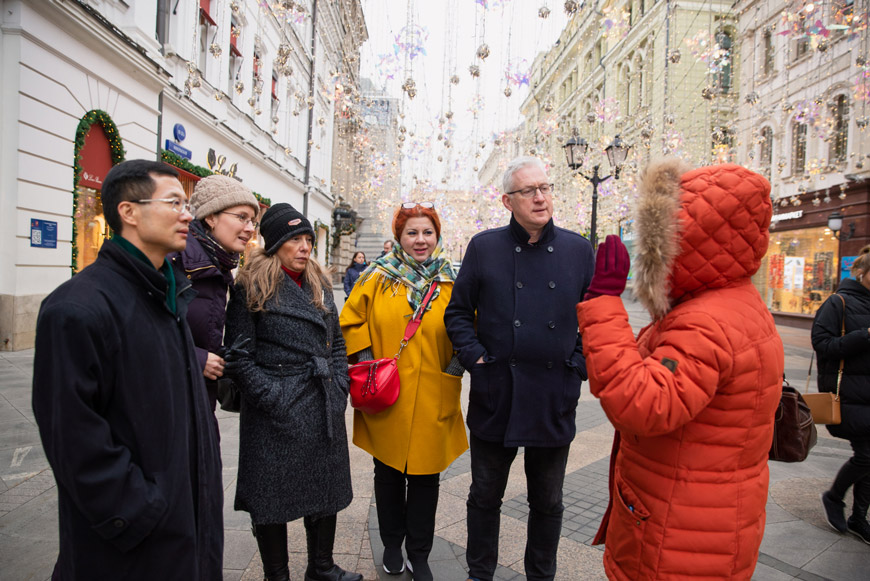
[225, 213]
[290, 366]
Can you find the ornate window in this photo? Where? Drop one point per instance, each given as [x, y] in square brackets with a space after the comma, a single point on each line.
[765, 151]
[769, 53]
[839, 140]
[798, 148]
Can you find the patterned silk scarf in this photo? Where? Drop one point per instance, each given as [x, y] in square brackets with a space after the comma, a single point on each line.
[398, 267]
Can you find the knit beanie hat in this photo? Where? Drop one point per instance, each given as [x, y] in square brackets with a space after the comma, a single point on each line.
[280, 223]
[216, 193]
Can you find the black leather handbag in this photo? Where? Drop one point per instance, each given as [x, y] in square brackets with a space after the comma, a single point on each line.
[794, 432]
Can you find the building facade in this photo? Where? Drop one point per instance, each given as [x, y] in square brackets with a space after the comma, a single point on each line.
[243, 88]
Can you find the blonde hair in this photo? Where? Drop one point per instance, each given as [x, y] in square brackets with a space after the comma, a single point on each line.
[862, 262]
[262, 277]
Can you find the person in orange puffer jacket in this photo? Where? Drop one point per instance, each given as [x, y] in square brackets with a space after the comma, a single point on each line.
[693, 397]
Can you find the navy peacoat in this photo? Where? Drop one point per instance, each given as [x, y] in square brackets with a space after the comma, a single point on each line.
[293, 456]
[124, 422]
[513, 304]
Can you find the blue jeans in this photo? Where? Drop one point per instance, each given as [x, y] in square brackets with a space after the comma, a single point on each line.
[545, 474]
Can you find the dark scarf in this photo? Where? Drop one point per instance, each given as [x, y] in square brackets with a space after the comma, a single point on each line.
[224, 260]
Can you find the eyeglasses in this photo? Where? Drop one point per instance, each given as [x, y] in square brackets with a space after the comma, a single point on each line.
[177, 205]
[412, 205]
[243, 219]
[546, 190]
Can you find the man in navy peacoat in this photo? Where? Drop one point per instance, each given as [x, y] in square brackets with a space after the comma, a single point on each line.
[120, 403]
[512, 320]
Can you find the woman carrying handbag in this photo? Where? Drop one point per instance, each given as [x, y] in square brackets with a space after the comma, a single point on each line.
[417, 437]
[841, 332]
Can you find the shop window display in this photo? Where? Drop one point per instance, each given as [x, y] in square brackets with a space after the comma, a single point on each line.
[799, 270]
[91, 227]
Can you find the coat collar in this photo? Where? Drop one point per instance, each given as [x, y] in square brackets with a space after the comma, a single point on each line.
[522, 236]
[295, 301]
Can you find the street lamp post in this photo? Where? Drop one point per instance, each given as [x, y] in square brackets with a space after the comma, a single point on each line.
[575, 150]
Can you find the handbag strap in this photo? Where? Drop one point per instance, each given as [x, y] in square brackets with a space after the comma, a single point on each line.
[842, 334]
[414, 323]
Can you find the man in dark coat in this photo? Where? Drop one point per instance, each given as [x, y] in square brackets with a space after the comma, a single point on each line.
[120, 402]
[511, 319]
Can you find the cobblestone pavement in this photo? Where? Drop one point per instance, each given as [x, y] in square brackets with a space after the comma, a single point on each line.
[797, 543]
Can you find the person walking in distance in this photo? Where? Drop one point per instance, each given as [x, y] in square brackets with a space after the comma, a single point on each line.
[511, 318]
[850, 311]
[120, 402]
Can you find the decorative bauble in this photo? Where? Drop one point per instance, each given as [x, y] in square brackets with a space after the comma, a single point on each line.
[440, 158]
[218, 96]
[287, 151]
[258, 111]
[239, 87]
[440, 136]
[571, 6]
[787, 107]
[496, 142]
[402, 129]
[861, 122]
[410, 87]
[252, 101]
[508, 92]
[196, 81]
[474, 70]
[823, 46]
[482, 145]
[548, 106]
[860, 61]
[591, 117]
[275, 119]
[543, 12]
[859, 164]
[646, 132]
[449, 114]
[454, 79]
[296, 112]
[670, 119]
[751, 98]
[215, 50]
[475, 168]
[483, 51]
[707, 93]
[234, 6]
[675, 56]
[400, 137]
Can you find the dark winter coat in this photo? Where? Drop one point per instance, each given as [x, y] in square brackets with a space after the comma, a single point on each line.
[854, 348]
[513, 304]
[293, 457]
[124, 422]
[353, 272]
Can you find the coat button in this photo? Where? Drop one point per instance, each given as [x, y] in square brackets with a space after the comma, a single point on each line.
[118, 523]
[513, 362]
[517, 323]
[518, 249]
[549, 365]
[519, 284]
[549, 249]
[552, 324]
[551, 284]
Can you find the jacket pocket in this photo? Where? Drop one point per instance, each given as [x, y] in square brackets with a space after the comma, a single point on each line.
[571, 387]
[625, 530]
[451, 387]
[479, 393]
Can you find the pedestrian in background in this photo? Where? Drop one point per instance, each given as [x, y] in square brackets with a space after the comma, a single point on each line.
[120, 402]
[853, 349]
[422, 433]
[693, 397]
[512, 321]
[226, 220]
[288, 360]
[388, 246]
[357, 265]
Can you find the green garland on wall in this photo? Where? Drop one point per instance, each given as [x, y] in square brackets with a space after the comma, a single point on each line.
[116, 150]
[318, 225]
[199, 171]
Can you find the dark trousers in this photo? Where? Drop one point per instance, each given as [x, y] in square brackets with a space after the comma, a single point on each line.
[406, 506]
[545, 474]
[855, 472]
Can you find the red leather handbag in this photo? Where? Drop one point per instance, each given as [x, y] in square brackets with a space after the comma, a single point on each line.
[374, 385]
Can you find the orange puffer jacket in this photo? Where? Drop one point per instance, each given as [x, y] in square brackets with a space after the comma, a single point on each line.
[693, 398]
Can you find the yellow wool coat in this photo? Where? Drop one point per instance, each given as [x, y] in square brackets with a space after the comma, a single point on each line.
[424, 429]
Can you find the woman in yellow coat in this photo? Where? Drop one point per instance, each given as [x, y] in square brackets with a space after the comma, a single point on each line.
[422, 433]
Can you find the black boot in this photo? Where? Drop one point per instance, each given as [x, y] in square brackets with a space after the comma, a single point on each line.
[390, 502]
[272, 542]
[420, 523]
[320, 535]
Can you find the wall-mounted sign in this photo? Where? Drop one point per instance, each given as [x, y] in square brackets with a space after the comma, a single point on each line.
[43, 233]
[179, 132]
[787, 216]
[846, 263]
[216, 164]
[178, 150]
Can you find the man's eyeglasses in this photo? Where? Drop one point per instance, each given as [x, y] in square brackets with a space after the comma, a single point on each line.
[243, 219]
[412, 205]
[546, 190]
[178, 206]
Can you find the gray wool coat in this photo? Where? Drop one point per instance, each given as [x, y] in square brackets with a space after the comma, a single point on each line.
[293, 456]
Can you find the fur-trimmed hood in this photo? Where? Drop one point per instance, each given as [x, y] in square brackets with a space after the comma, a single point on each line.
[697, 229]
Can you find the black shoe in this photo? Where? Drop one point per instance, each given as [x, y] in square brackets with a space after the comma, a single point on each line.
[420, 571]
[394, 562]
[860, 528]
[834, 511]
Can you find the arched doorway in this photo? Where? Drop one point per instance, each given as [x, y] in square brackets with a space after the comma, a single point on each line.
[98, 147]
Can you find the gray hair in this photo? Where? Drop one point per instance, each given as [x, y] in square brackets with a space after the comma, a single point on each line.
[507, 180]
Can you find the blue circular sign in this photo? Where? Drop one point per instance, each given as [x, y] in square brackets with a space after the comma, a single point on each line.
[179, 132]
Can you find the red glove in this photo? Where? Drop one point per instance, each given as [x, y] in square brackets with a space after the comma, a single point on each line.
[611, 269]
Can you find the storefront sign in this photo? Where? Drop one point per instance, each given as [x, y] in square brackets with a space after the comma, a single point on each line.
[216, 164]
[96, 158]
[178, 150]
[846, 263]
[787, 216]
[43, 233]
